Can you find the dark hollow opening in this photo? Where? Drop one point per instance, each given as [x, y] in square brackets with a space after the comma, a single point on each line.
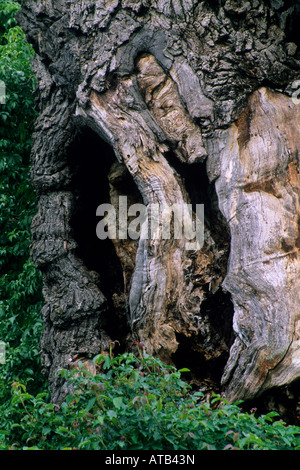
[284, 400]
[90, 159]
[292, 21]
[90, 162]
[191, 352]
[201, 191]
[217, 308]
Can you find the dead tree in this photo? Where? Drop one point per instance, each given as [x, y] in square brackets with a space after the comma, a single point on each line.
[170, 102]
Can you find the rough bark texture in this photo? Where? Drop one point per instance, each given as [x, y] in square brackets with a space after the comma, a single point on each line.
[170, 101]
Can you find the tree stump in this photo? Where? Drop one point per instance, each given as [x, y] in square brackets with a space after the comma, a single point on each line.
[162, 104]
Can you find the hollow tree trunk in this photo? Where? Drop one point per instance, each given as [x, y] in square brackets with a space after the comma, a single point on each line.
[169, 103]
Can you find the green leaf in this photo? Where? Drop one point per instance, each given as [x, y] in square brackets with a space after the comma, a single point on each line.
[46, 430]
[111, 414]
[107, 362]
[159, 405]
[90, 404]
[118, 402]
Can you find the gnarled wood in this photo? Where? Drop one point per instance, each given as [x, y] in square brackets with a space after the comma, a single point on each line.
[165, 102]
[258, 190]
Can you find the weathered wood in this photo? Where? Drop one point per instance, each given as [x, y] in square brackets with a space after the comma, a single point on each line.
[258, 190]
[195, 99]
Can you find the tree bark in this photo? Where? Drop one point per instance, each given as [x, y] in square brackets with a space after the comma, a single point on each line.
[170, 102]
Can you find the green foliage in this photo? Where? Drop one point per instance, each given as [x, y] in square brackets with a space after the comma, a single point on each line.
[136, 403]
[132, 403]
[20, 283]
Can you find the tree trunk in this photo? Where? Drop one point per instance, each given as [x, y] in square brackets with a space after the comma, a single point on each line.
[170, 103]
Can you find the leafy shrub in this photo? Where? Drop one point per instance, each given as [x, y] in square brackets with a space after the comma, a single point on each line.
[136, 403]
[20, 282]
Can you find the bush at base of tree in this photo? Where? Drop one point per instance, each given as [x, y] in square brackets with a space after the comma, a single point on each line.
[136, 404]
